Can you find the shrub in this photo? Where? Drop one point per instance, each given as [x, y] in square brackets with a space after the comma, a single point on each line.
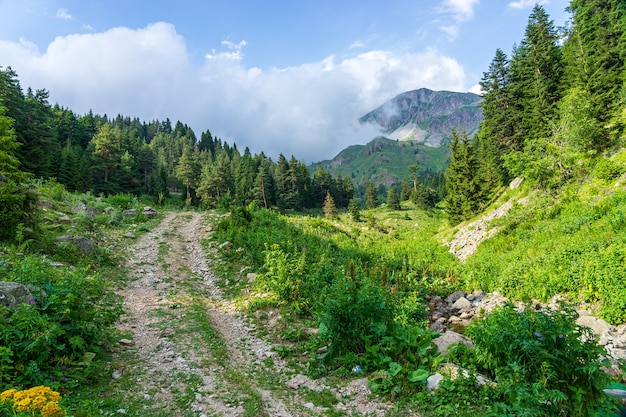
[61, 329]
[352, 312]
[607, 169]
[17, 206]
[123, 201]
[544, 364]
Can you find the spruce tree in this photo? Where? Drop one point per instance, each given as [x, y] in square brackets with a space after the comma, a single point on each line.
[329, 206]
[596, 60]
[353, 209]
[536, 71]
[371, 200]
[393, 199]
[462, 199]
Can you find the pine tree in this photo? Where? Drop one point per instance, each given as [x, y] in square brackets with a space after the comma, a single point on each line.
[39, 144]
[9, 164]
[536, 78]
[106, 153]
[353, 209]
[596, 60]
[244, 178]
[462, 199]
[405, 190]
[371, 200]
[263, 187]
[329, 206]
[495, 85]
[393, 199]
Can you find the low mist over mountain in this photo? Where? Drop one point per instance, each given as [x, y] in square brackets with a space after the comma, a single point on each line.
[415, 128]
[427, 117]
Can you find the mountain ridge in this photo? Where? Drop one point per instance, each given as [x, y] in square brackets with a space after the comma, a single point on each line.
[415, 129]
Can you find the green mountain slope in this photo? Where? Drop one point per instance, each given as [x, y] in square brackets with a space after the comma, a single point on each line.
[384, 161]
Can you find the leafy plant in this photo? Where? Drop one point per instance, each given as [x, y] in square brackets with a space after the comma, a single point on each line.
[60, 329]
[544, 364]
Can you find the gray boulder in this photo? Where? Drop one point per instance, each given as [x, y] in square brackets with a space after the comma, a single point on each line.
[85, 245]
[12, 294]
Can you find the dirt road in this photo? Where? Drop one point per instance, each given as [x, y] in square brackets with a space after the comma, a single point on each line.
[197, 355]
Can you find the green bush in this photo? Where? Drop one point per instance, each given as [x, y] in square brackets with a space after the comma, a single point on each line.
[544, 364]
[17, 206]
[607, 169]
[352, 313]
[123, 201]
[61, 329]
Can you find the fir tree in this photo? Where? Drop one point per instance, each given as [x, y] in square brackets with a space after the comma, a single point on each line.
[329, 206]
[371, 200]
[353, 209]
[462, 200]
[393, 199]
[596, 61]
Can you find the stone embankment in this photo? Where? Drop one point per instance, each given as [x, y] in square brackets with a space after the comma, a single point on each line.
[458, 310]
[450, 316]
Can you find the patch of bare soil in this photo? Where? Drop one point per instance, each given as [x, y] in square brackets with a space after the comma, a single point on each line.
[222, 368]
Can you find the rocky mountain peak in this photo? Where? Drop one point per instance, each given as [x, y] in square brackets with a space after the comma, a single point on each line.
[426, 116]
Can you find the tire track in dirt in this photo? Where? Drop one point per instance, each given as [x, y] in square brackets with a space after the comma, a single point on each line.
[163, 262]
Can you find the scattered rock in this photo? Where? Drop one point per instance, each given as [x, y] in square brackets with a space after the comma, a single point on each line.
[516, 183]
[125, 342]
[597, 325]
[117, 374]
[150, 212]
[295, 382]
[450, 338]
[130, 212]
[462, 304]
[84, 244]
[251, 276]
[13, 293]
[433, 381]
[452, 298]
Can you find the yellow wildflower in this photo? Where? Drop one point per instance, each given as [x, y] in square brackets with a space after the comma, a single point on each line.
[7, 395]
[22, 405]
[39, 401]
[52, 409]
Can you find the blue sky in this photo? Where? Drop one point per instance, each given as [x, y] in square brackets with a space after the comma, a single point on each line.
[277, 76]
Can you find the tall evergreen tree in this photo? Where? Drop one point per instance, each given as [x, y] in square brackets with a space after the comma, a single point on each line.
[596, 60]
[263, 186]
[245, 175]
[106, 155]
[462, 199]
[39, 144]
[393, 199]
[9, 164]
[371, 199]
[187, 171]
[536, 77]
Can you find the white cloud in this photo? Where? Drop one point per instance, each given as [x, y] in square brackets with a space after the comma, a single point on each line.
[310, 110]
[64, 14]
[524, 4]
[462, 10]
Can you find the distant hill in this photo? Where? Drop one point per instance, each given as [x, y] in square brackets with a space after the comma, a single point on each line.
[415, 128]
[384, 161]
